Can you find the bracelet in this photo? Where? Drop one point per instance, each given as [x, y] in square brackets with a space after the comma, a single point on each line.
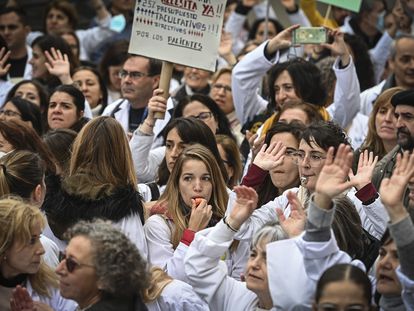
[228, 225]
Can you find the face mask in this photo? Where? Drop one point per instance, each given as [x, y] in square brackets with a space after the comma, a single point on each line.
[380, 21]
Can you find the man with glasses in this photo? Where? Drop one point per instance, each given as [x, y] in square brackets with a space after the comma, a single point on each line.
[139, 78]
[14, 29]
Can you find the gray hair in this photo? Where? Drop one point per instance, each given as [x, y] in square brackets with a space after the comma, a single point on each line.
[120, 269]
[270, 232]
[393, 49]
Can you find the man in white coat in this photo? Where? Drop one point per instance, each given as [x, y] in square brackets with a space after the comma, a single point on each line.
[139, 77]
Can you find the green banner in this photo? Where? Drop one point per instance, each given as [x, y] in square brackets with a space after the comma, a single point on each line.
[352, 5]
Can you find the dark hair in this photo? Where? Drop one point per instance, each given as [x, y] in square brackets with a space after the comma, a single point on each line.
[28, 112]
[154, 65]
[59, 142]
[344, 272]
[23, 137]
[233, 158]
[21, 172]
[75, 36]
[253, 29]
[115, 55]
[46, 42]
[367, 6]
[104, 91]
[20, 12]
[306, 79]
[362, 60]
[75, 93]
[267, 191]
[325, 134]
[67, 8]
[191, 131]
[43, 95]
[219, 116]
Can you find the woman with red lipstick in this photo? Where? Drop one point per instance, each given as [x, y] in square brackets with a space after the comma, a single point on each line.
[195, 177]
[21, 257]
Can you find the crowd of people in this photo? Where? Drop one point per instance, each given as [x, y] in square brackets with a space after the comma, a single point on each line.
[282, 181]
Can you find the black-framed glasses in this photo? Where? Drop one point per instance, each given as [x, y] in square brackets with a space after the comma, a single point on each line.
[204, 116]
[332, 307]
[71, 264]
[9, 113]
[219, 86]
[132, 74]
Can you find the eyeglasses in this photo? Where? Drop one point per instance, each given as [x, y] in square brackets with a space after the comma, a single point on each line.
[332, 307]
[219, 86]
[9, 113]
[204, 116]
[314, 158]
[134, 75]
[71, 264]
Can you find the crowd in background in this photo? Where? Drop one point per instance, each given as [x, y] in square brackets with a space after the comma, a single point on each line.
[282, 181]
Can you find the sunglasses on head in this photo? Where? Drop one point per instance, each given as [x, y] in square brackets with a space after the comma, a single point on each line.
[71, 264]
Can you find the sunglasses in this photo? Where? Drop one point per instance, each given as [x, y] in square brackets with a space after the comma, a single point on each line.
[71, 264]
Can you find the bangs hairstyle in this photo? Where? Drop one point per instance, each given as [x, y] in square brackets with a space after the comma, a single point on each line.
[17, 220]
[176, 207]
[29, 112]
[344, 272]
[306, 80]
[101, 150]
[373, 141]
[325, 134]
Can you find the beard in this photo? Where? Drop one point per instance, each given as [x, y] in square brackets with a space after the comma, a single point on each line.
[404, 139]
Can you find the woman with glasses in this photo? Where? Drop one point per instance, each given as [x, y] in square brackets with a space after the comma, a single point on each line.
[17, 108]
[310, 157]
[221, 93]
[21, 258]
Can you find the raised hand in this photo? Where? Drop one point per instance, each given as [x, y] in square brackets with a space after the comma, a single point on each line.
[58, 65]
[270, 158]
[244, 206]
[366, 165]
[338, 47]
[21, 300]
[200, 215]
[392, 189]
[4, 56]
[255, 143]
[295, 223]
[157, 103]
[282, 40]
[332, 179]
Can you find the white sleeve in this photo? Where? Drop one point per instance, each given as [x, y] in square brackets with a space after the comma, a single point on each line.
[146, 160]
[160, 248]
[299, 18]
[207, 278]
[51, 256]
[408, 290]
[346, 97]
[234, 26]
[374, 217]
[132, 227]
[380, 53]
[246, 78]
[91, 38]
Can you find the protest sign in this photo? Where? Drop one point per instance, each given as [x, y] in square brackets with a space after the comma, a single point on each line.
[185, 32]
[352, 5]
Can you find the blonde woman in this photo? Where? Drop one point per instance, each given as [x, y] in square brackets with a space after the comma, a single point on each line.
[196, 197]
[21, 257]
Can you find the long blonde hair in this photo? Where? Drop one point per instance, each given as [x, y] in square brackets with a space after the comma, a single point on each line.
[172, 196]
[159, 279]
[17, 220]
[101, 150]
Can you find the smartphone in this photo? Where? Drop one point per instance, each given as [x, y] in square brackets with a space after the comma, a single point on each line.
[309, 35]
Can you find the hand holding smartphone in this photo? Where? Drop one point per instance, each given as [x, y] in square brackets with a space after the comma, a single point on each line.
[309, 35]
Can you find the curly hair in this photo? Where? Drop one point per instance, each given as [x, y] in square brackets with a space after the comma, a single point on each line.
[116, 259]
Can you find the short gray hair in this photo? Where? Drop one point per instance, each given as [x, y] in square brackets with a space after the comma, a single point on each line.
[393, 49]
[270, 232]
[120, 269]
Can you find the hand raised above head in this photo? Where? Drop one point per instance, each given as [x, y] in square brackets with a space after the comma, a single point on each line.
[245, 204]
[268, 158]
